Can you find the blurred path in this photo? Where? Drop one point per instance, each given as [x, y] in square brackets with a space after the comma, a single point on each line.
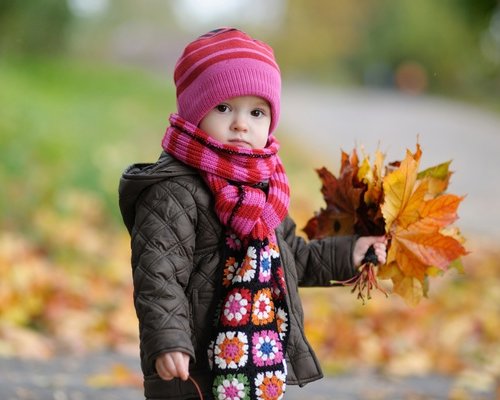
[68, 379]
[326, 120]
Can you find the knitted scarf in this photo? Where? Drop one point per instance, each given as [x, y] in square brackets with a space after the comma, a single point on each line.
[251, 324]
[231, 174]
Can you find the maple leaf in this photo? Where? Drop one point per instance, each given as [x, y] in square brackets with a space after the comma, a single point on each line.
[369, 219]
[442, 210]
[349, 162]
[411, 207]
[342, 200]
[400, 203]
[417, 248]
[373, 179]
[414, 223]
[438, 177]
[365, 172]
[410, 288]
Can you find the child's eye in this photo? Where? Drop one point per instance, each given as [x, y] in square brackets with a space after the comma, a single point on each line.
[222, 108]
[257, 113]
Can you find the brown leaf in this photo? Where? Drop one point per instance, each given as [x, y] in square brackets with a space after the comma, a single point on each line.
[342, 200]
[410, 206]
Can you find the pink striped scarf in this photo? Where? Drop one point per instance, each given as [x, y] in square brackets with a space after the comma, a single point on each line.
[232, 173]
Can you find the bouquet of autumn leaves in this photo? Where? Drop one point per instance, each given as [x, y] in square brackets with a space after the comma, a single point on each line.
[409, 206]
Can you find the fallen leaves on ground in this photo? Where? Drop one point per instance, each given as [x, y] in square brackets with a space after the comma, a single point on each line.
[66, 288]
[118, 376]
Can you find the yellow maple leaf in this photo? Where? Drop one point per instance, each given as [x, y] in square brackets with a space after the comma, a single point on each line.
[398, 187]
[410, 289]
[373, 193]
[411, 206]
[415, 215]
[365, 172]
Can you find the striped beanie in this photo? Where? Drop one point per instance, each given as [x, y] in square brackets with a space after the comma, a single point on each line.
[222, 64]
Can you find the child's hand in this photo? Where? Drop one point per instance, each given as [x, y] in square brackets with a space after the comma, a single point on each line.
[173, 365]
[362, 245]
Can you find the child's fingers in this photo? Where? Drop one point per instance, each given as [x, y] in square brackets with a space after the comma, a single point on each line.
[173, 365]
[162, 369]
[170, 365]
[381, 257]
[178, 365]
[379, 239]
[182, 365]
[380, 252]
[362, 245]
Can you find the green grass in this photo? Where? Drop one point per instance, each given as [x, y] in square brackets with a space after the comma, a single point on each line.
[64, 124]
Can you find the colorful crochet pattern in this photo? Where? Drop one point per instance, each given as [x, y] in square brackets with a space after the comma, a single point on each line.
[248, 351]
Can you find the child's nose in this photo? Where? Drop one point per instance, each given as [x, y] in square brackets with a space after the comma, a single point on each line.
[239, 123]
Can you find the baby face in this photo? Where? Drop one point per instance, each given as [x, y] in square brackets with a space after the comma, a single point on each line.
[241, 121]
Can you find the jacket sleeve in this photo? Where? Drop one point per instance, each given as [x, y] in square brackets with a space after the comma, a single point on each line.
[163, 242]
[318, 262]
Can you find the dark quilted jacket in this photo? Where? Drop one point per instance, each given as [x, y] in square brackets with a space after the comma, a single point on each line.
[176, 241]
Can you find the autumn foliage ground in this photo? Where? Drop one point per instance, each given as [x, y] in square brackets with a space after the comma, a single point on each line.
[73, 295]
[65, 279]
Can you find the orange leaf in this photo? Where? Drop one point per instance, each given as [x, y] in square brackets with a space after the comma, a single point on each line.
[349, 162]
[442, 210]
[407, 261]
[416, 214]
[427, 245]
[410, 213]
[398, 187]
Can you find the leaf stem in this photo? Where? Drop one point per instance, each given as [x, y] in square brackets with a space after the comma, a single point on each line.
[364, 282]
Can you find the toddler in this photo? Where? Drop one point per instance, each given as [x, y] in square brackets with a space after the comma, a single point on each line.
[215, 259]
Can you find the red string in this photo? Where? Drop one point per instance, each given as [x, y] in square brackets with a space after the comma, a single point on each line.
[200, 394]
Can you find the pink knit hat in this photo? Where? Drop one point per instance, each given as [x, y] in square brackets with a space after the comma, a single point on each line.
[222, 64]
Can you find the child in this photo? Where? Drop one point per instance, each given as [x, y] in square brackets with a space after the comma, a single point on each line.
[215, 259]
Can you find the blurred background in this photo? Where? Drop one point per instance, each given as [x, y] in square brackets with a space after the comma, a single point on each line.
[86, 88]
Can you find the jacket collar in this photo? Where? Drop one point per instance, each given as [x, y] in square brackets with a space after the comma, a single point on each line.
[138, 177]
